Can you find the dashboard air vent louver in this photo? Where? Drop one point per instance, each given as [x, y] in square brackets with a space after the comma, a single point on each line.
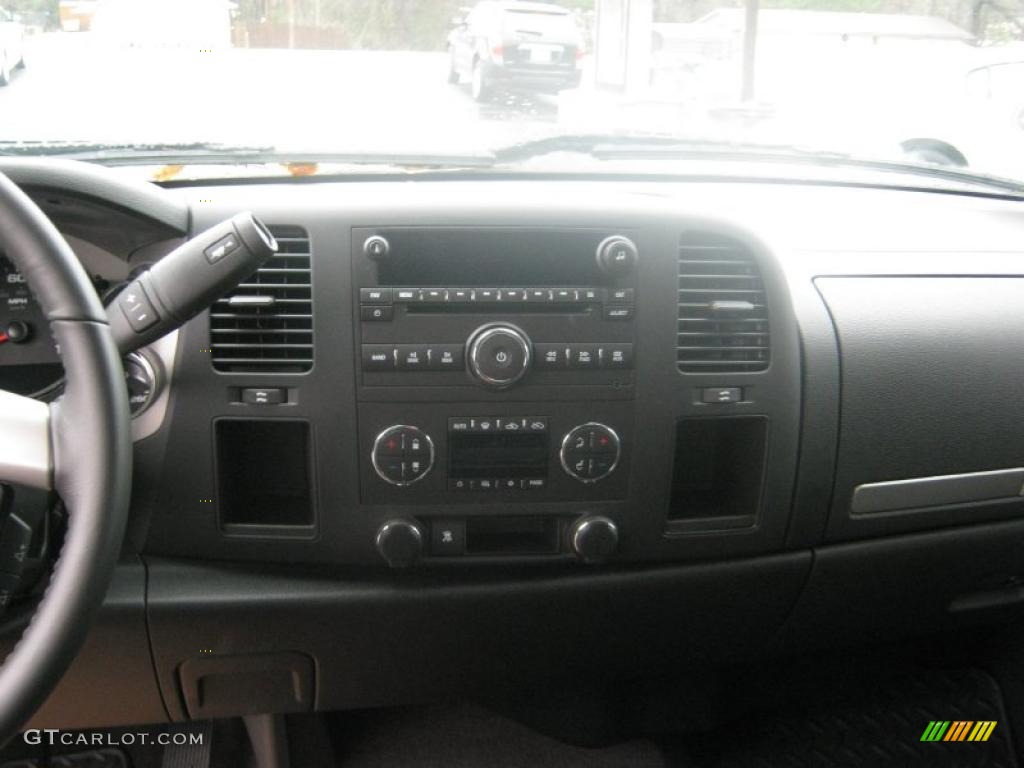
[723, 316]
[265, 325]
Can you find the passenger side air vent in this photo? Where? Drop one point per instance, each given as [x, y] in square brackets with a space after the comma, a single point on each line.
[265, 325]
[723, 316]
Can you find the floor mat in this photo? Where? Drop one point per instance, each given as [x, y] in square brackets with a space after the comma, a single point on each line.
[878, 723]
[464, 736]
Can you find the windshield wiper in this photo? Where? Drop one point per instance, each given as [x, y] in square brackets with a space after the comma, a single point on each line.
[199, 153]
[153, 152]
[660, 146]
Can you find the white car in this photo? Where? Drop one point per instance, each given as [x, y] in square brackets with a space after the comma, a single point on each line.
[12, 45]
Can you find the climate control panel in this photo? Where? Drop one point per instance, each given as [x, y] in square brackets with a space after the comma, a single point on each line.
[521, 456]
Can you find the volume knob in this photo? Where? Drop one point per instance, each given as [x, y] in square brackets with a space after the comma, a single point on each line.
[499, 355]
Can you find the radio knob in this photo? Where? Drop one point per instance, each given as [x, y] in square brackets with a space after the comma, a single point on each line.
[594, 538]
[617, 255]
[376, 247]
[499, 355]
[400, 542]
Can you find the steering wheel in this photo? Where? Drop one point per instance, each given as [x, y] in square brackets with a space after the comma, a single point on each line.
[80, 447]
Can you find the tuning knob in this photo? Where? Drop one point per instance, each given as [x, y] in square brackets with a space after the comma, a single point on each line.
[400, 542]
[617, 255]
[594, 538]
[499, 355]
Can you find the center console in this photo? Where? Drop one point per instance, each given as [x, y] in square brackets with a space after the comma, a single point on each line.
[495, 377]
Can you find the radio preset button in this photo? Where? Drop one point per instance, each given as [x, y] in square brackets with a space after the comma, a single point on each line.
[460, 295]
[513, 294]
[538, 295]
[486, 294]
[434, 295]
[406, 294]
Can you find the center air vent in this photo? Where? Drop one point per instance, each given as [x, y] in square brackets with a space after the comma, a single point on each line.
[265, 325]
[723, 316]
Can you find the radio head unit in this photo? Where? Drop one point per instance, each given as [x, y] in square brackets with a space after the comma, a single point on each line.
[495, 308]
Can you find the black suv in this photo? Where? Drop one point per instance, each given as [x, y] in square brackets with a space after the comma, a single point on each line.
[516, 45]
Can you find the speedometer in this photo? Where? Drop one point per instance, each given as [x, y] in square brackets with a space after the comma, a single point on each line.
[28, 354]
[15, 297]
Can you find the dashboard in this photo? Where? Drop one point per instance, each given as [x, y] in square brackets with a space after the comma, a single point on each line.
[626, 417]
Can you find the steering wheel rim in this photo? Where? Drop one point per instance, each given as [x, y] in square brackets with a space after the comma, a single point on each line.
[79, 446]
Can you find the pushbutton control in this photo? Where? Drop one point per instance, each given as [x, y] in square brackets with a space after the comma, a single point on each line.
[590, 452]
[263, 395]
[137, 308]
[15, 538]
[721, 394]
[447, 537]
[402, 455]
[223, 247]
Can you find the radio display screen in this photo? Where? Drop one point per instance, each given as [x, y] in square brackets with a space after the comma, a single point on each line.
[497, 455]
[490, 257]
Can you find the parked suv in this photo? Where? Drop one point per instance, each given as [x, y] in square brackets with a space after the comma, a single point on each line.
[12, 45]
[515, 45]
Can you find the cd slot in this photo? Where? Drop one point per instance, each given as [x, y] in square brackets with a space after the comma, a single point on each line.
[498, 309]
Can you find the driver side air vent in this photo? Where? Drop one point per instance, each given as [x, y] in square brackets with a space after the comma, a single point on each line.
[723, 315]
[265, 325]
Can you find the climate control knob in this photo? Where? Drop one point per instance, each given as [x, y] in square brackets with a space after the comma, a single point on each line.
[594, 538]
[590, 452]
[400, 542]
[499, 355]
[402, 455]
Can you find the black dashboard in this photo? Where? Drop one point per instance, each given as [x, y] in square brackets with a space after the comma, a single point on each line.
[653, 422]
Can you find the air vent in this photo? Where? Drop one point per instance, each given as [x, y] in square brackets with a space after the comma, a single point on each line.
[723, 317]
[265, 325]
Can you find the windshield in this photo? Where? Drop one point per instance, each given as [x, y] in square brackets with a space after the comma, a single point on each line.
[440, 83]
